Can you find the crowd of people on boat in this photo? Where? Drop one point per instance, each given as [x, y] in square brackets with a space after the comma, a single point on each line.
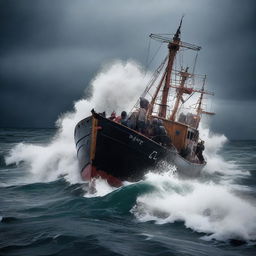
[138, 121]
[154, 129]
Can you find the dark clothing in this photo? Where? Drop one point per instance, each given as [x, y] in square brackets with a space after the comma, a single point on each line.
[144, 103]
[156, 130]
[159, 135]
[124, 122]
[199, 151]
[199, 148]
[141, 126]
[162, 131]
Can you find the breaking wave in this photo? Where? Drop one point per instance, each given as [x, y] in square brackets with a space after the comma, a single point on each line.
[116, 87]
[212, 209]
[207, 205]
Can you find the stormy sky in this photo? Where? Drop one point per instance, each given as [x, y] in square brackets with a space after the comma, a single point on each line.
[51, 49]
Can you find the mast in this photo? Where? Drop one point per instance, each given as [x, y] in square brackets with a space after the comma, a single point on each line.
[199, 110]
[155, 95]
[173, 47]
[199, 107]
[184, 76]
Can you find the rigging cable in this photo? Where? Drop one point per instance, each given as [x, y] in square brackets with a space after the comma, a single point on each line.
[147, 55]
[194, 68]
[158, 49]
[151, 81]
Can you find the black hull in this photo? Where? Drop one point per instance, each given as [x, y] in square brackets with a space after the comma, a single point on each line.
[117, 151]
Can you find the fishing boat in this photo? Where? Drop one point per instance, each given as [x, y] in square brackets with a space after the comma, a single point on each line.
[116, 152]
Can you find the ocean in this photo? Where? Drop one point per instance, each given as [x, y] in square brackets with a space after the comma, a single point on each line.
[47, 210]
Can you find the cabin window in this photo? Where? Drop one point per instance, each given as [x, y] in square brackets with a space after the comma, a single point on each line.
[190, 135]
[177, 132]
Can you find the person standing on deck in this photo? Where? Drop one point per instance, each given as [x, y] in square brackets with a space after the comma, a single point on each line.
[141, 121]
[199, 151]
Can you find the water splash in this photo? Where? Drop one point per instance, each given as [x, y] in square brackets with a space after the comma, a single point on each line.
[227, 173]
[116, 87]
[204, 207]
[99, 188]
[213, 144]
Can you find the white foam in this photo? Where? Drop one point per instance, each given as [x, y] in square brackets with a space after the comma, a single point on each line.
[204, 207]
[116, 87]
[215, 162]
[99, 188]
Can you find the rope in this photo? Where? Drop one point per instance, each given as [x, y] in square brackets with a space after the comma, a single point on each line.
[147, 54]
[194, 68]
[155, 54]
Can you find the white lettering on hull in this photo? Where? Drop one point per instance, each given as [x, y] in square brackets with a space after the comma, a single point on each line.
[153, 155]
[136, 139]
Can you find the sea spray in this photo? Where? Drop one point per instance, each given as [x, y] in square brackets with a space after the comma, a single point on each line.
[227, 172]
[99, 188]
[213, 144]
[203, 207]
[116, 87]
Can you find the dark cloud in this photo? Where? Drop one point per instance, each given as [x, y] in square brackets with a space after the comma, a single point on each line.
[50, 50]
[234, 119]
